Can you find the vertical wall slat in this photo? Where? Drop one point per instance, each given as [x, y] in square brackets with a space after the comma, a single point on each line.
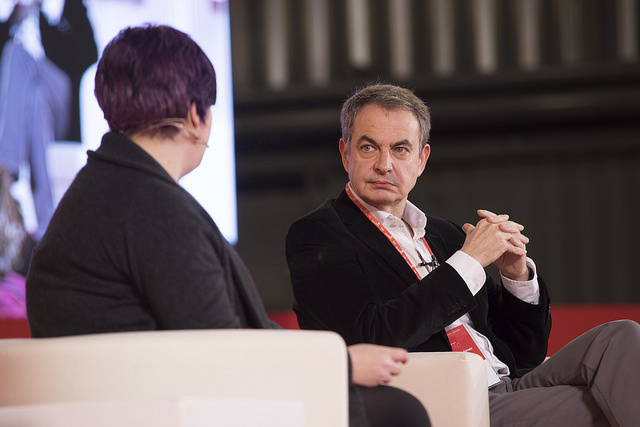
[627, 26]
[401, 41]
[528, 34]
[485, 35]
[358, 32]
[441, 20]
[318, 29]
[276, 36]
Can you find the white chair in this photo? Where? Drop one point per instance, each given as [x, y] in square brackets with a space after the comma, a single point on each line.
[134, 376]
[452, 386]
[235, 377]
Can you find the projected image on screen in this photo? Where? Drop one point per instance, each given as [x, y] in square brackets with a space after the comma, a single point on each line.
[69, 37]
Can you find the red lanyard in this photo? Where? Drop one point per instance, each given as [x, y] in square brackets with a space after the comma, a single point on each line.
[386, 232]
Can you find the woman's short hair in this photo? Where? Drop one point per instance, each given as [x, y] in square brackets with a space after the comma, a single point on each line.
[389, 97]
[151, 73]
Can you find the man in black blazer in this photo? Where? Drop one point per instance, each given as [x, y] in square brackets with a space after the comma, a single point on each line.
[371, 266]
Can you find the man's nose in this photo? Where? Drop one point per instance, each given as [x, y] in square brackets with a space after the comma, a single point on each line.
[384, 162]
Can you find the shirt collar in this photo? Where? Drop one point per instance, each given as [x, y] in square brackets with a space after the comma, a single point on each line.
[412, 215]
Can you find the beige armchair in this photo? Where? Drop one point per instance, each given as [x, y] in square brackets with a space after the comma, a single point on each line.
[236, 377]
[451, 385]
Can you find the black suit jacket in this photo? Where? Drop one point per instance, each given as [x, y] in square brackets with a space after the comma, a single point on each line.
[349, 278]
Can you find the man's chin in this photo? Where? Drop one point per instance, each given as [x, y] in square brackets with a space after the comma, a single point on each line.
[378, 202]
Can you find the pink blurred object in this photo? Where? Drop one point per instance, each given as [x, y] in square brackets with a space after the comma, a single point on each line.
[12, 297]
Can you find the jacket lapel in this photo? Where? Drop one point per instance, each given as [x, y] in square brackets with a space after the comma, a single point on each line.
[436, 244]
[364, 230]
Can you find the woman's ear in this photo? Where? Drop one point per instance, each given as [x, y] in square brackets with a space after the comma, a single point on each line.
[193, 122]
[193, 117]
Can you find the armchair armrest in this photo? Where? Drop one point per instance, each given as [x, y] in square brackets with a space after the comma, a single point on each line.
[452, 386]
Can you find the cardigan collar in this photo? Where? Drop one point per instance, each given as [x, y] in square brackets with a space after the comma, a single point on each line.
[119, 150]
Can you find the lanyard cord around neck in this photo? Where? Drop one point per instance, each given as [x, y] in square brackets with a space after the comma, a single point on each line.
[433, 264]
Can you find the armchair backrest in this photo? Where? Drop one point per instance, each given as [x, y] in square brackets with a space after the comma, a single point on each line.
[307, 366]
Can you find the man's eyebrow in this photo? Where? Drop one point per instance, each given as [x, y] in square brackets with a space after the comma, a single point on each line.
[370, 140]
[401, 143]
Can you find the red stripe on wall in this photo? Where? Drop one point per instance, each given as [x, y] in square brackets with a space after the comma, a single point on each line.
[569, 321]
[14, 328]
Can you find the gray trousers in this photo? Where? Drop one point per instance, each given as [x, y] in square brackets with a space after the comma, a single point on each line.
[35, 104]
[592, 381]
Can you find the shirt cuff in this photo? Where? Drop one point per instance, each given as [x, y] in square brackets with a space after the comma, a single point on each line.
[526, 290]
[469, 269]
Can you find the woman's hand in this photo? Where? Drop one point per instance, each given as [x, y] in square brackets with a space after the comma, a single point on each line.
[375, 364]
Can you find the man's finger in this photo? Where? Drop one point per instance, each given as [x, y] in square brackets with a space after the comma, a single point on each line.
[485, 212]
[468, 228]
[492, 218]
[511, 227]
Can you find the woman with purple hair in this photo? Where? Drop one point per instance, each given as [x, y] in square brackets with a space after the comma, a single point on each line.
[129, 249]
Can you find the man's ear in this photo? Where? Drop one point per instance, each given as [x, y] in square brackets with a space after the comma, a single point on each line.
[424, 156]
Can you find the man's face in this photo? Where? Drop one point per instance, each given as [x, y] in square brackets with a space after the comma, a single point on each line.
[384, 158]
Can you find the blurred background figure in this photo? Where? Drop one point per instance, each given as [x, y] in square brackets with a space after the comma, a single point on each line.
[15, 247]
[47, 45]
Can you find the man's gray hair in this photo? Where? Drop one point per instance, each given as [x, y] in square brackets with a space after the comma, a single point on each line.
[389, 97]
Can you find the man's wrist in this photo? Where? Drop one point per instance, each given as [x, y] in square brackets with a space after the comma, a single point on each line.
[524, 277]
[527, 290]
[469, 269]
